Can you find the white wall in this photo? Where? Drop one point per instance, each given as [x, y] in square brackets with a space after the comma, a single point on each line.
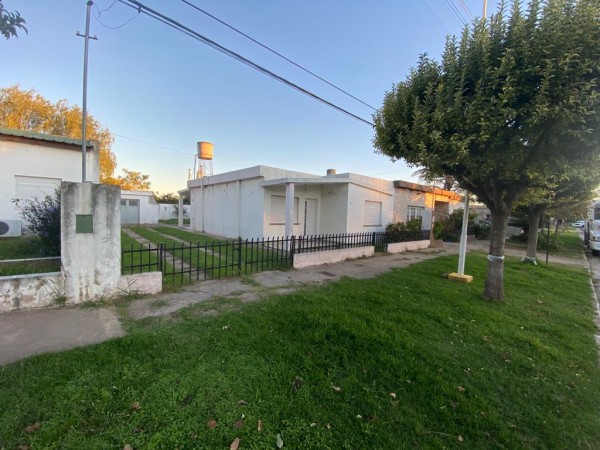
[23, 159]
[230, 209]
[334, 209]
[357, 196]
[168, 211]
[148, 207]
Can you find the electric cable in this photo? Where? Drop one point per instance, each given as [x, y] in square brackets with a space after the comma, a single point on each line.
[276, 53]
[456, 12]
[436, 16]
[153, 145]
[134, 4]
[466, 9]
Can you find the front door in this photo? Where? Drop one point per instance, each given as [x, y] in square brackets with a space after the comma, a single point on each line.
[310, 217]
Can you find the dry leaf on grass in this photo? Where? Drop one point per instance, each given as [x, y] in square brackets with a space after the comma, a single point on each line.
[128, 447]
[235, 444]
[135, 406]
[460, 389]
[211, 424]
[259, 427]
[460, 438]
[243, 403]
[393, 394]
[279, 441]
[33, 428]
[239, 424]
[336, 388]
[453, 404]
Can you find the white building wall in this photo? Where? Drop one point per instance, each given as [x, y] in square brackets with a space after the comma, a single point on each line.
[23, 159]
[148, 207]
[167, 211]
[357, 196]
[334, 209]
[403, 198]
[228, 209]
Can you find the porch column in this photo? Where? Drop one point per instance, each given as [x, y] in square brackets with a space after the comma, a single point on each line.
[289, 209]
[180, 212]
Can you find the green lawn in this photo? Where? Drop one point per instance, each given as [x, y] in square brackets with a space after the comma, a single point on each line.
[406, 360]
[18, 248]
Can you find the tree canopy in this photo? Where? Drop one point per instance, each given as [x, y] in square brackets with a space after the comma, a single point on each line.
[9, 22]
[513, 102]
[28, 110]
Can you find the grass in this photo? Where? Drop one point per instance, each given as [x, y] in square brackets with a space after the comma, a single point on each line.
[406, 360]
[571, 245]
[174, 221]
[24, 247]
[18, 248]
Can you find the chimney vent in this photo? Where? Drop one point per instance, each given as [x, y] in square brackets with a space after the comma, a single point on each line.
[330, 172]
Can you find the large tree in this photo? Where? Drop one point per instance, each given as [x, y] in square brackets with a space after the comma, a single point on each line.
[513, 101]
[10, 21]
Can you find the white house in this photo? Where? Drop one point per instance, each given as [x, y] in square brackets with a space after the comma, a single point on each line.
[32, 165]
[264, 201]
[138, 207]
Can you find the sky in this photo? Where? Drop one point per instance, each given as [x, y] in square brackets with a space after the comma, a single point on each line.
[160, 91]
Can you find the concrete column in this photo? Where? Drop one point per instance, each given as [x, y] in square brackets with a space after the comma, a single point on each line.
[202, 206]
[180, 212]
[239, 208]
[289, 209]
[90, 240]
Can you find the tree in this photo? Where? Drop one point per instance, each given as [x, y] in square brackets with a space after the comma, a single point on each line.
[567, 194]
[28, 110]
[513, 101]
[132, 181]
[10, 21]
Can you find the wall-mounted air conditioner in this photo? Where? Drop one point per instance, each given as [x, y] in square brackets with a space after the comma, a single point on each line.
[10, 228]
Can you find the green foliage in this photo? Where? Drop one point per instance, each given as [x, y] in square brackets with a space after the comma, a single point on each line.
[554, 243]
[42, 218]
[10, 21]
[409, 225]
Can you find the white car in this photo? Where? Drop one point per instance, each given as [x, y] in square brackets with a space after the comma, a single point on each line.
[578, 224]
[593, 238]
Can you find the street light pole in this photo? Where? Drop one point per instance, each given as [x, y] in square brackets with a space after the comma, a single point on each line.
[87, 38]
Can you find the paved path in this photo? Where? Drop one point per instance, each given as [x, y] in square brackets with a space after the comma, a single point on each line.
[26, 333]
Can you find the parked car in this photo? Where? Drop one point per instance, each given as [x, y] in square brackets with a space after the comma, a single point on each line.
[593, 237]
[578, 224]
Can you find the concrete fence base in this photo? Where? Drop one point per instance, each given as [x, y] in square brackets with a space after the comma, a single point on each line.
[399, 247]
[331, 256]
[18, 292]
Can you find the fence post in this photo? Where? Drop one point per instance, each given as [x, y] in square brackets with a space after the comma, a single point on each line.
[292, 251]
[159, 251]
[239, 255]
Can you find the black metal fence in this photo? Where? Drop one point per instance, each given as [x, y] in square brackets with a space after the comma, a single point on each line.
[185, 262]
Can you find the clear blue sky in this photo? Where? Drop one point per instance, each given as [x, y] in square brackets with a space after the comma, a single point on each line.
[153, 84]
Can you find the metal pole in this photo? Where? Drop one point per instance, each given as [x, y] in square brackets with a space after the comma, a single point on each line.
[484, 9]
[463, 237]
[87, 38]
[548, 240]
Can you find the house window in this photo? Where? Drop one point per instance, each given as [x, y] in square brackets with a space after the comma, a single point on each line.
[29, 188]
[372, 214]
[278, 210]
[415, 212]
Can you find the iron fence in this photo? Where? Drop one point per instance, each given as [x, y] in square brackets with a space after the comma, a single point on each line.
[186, 262]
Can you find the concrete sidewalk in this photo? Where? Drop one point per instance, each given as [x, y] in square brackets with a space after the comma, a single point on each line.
[26, 333]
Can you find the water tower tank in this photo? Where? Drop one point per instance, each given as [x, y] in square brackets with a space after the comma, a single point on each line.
[205, 150]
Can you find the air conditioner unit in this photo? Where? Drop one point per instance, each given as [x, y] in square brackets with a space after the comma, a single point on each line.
[10, 228]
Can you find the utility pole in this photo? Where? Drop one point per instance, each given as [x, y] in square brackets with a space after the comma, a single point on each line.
[484, 9]
[87, 38]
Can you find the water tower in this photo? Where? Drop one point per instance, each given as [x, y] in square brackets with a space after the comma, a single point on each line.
[205, 157]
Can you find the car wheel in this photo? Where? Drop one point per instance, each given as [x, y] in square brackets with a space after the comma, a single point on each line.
[595, 252]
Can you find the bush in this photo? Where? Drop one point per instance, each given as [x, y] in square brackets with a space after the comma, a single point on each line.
[554, 244]
[395, 231]
[481, 229]
[42, 218]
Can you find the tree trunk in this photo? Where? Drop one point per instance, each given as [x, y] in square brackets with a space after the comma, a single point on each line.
[494, 282]
[533, 220]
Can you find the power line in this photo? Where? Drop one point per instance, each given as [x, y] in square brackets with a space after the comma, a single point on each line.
[466, 9]
[185, 30]
[436, 16]
[153, 145]
[456, 12]
[276, 53]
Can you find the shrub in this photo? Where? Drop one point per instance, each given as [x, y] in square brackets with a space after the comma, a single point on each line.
[396, 230]
[554, 244]
[42, 218]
